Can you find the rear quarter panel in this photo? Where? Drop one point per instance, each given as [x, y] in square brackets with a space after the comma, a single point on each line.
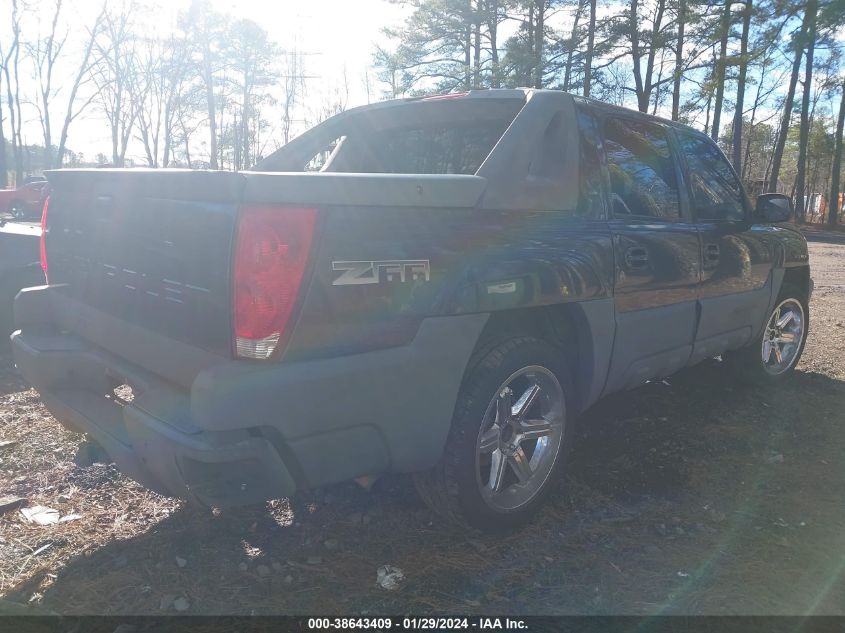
[480, 261]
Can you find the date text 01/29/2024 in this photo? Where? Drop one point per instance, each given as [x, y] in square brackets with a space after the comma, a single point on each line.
[424, 623]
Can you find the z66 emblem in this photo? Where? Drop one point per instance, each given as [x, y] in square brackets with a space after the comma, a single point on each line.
[401, 270]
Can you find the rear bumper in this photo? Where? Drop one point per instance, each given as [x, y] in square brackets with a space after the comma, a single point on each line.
[245, 432]
[164, 451]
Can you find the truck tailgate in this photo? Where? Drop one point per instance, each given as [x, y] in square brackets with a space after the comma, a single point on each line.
[151, 248]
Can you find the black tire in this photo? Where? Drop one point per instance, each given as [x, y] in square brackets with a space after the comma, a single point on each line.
[452, 487]
[748, 363]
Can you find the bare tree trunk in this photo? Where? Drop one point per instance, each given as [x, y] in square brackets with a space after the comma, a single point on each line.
[572, 44]
[84, 67]
[467, 43]
[212, 121]
[476, 59]
[804, 130]
[750, 134]
[237, 142]
[5, 60]
[808, 191]
[588, 59]
[48, 58]
[168, 130]
[4, 176]
[634, 26]
[115, 134]
[530, 28]
[679, 60]
[293, 86]
[208, 79]
[740, 88]
[652, 53]
[657, 92]
[11, 59]
[18, 122]
[492, 31]
[245, 161]
[833, 204]
[768, 171]
[812, 184]
[539, 41]
[777, 155]
[221, 147]
[187, 148]
[721, 67]
[709, 106]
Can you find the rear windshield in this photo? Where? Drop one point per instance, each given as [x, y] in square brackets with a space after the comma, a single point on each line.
[420, 137]
[449, 148]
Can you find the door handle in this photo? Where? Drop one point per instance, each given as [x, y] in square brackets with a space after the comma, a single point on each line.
[636, 257]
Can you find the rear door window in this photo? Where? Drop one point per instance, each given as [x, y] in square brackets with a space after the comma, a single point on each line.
[591, 195]
[643, 181]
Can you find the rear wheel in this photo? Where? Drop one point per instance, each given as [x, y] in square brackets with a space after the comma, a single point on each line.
[508, 438]
[777, 350]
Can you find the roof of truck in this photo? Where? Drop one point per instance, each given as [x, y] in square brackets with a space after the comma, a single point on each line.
[522, 93]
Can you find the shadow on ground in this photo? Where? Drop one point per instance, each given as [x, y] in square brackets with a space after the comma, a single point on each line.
[824, 235]
[702, 495]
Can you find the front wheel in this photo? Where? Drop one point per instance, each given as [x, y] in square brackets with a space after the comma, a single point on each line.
[508, 438]
[777, 350]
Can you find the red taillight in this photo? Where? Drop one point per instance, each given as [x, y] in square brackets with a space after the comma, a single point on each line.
[44, 236]
[271, 252]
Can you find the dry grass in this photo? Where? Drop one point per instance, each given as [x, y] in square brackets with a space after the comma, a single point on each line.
[670, 505]
[38, 467]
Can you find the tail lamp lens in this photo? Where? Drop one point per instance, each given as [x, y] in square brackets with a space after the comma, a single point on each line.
[44, 235]
[271, 253]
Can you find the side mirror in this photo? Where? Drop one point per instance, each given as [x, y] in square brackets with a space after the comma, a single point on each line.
[774, 207]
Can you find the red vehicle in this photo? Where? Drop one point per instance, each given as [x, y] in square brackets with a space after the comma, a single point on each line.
[24, 202]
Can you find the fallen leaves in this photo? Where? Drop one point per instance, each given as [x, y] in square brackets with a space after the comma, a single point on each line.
[389, 577]
[42, 515]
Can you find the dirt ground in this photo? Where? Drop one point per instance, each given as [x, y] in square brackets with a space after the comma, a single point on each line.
[701, 495]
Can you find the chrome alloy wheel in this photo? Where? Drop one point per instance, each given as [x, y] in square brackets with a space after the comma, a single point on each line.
[520, 438]
[783, 336]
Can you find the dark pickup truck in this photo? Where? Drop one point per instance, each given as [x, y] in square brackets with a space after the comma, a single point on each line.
[459, 280]
[19, 267]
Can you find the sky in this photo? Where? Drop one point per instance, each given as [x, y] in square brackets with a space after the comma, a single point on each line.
[333, 33]
[336, 36]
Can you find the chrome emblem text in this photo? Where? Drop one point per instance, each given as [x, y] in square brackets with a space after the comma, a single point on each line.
[401, 270]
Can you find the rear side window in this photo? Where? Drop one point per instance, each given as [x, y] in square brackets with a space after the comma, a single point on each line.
[591, 196]
[715, 191]
[643, 180]
[445, 148]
